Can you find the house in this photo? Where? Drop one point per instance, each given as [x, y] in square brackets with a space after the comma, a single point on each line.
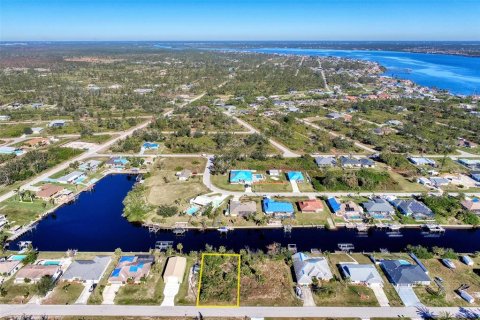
[35, 272]
[311, 206]
[49, 191]
[241, 177]
[205, 200]
[3, 221]
[242, 209]
[36, 130]
[87, 270]
[334, 116]
[175, 270]
[348, 162]
[274, 172]
[132, 269]
[323, 162]
[394, 123]
[184, 175]
[37, 142]
[403, 273]
[57, 124]
[471, 204]
[475, 176]
[365, 274]
[8, 267]
[117, 162]
[422, 161]
[277, 209]
[90, 165]
[348, 210]
[383, 131]
[379, 208]
[472, 164]
[4, 118]
[307, 267]
[461, 142]
[72, 177]
[412, 207]
[295, 176]
[438, 182]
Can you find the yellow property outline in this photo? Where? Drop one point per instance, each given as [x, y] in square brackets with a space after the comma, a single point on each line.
[238, 280]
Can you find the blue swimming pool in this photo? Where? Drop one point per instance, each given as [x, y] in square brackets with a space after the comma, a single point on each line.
[17, 257]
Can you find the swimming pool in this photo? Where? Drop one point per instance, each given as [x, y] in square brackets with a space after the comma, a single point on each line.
[191, 211]
[17, 257]
[51, 263]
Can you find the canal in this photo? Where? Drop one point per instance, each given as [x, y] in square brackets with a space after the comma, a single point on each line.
[95, 223]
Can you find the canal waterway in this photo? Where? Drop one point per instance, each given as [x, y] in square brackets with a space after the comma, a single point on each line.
[95, 223]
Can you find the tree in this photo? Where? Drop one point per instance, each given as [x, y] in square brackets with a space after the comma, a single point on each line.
[167, 211]
[180, 247]
[27, 130]
[44, 285]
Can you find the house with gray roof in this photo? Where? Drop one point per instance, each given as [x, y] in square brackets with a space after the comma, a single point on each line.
[366, 274]
[87, 270]
[242, 209]
[413, 208]
[379, 208]
[349, 162]
[323, 162]
[306, 268]
[403, 273]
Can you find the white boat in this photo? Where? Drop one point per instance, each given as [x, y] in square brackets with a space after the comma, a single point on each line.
[449, 263]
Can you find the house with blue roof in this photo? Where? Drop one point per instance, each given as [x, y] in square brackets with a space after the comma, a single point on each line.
[131, 269]
[333, 204]
[117, 162]
[295, 176]
[241, 177]
[413, 208]
[277, 209]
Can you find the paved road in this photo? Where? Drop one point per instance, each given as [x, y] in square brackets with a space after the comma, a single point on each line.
[190, 311]
[287, 153]
[88, 154]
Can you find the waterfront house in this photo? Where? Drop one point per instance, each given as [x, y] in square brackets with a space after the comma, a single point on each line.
[9, 267]
[311, 206]
[90, 165]
[277, 209]
[241, 177]
[413, 208]
[472, 164]
[87, 270]
[205, 200]
[72, 177]
[379, 208]
[175, 270]
[364, 274]
[35, 272]
[295, 176]
[49, 191]
[184, 175]
[307, 267]
[471, 204]
[37, 142]
[422, 161]
[403, 273]
[348, 210]
[242, 209]
[117, 162]
[57, 124]
[323, 162]
[132, 269]
[475, 176]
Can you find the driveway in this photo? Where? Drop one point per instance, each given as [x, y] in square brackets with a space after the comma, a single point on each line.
[294, 186]
[408, 296]
[169, 293]
[380, 295]
[109, 293]
[307, 296]
[83, 298]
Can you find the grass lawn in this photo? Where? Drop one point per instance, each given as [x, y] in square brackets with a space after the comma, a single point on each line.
[149, 292]
[272, 187]
[178, 164]
[12, 130]
[21, 213]
[341, 293]
[463, 274]
[16, 293]
[100, 138]
[221, 181]
[65, 293]
[187, 295]
[270, 284]
[319, 218]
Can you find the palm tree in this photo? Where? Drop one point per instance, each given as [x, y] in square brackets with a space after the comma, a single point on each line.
[180, 247]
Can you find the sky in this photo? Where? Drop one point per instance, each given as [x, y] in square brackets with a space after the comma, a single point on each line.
[184, 20]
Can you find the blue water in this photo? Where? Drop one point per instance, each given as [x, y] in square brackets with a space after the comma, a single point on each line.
[457, 74]
[95, 223]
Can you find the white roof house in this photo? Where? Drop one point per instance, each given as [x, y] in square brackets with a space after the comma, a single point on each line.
[361, 273]
[307, 267]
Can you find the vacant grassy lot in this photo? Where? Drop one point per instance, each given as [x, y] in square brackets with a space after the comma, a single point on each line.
[16, 293]
[64, 293]
[12, 130]
[149, 292]
[20, 213]
[267, 282]
[453, 279]
[219, 280]
[340, 294]
[221, 181]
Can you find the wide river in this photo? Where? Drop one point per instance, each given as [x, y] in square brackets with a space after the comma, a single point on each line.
[457, 74]
[95, 223]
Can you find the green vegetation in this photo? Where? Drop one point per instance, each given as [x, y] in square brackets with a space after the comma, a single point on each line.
[447, 209]
[355, 180]
[135, 205]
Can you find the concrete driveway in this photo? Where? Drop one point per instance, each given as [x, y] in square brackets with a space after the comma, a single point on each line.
[307, 296]
[169, 293]
[408, 296]
[83, 298]
[110, 292]
[380, 295]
